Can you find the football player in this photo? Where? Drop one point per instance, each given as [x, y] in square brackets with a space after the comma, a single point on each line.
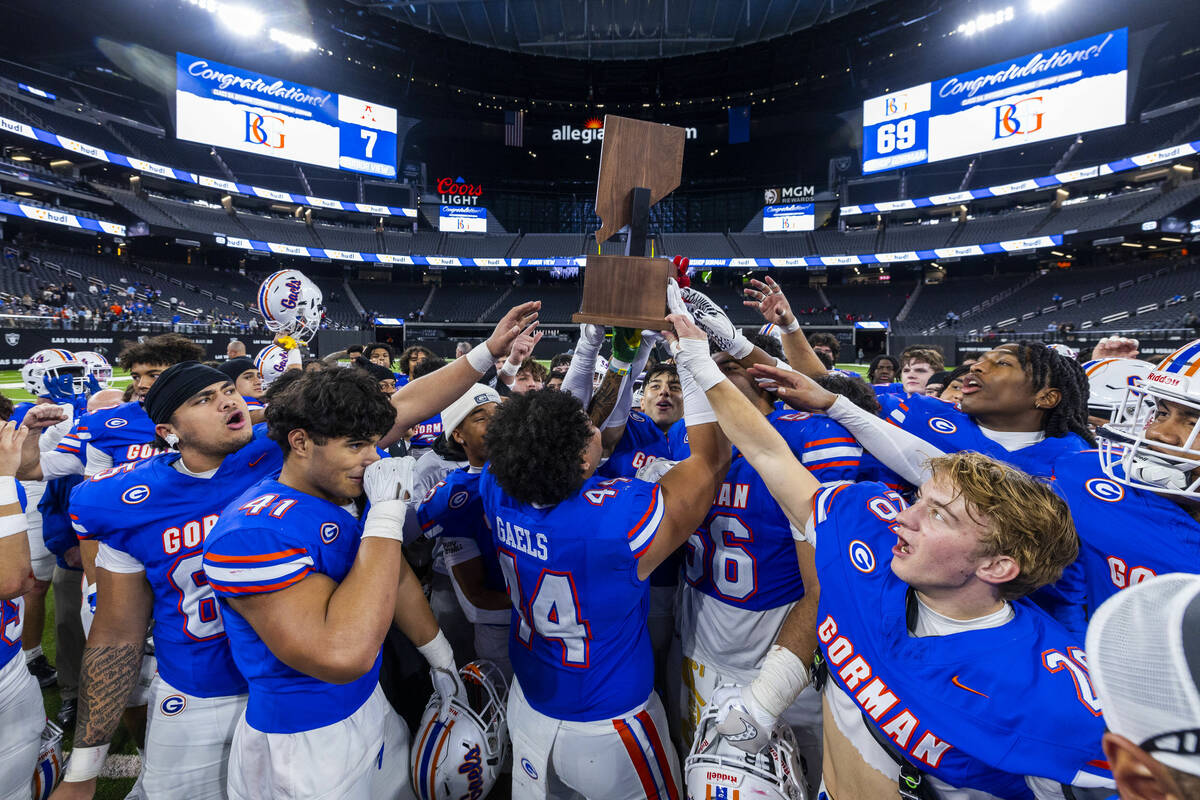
[22, 715]
[249, 383]
[149, 520]
[576, 552]
[452, 512]
[938, 677]
[1145, 478]
[291, 549]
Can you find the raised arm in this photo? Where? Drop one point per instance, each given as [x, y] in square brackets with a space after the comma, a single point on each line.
[36, 421]
[429, 395]
[768, 299]
[16, 577]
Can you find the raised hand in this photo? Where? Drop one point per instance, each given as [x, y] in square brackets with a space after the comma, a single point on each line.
[43, 416]
[768, 299]
[519, 319]
[1115, 347]
[12, 437]
[522, 346]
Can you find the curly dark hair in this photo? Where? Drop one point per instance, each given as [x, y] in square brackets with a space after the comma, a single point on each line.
[768, 344]
[162, 351]
[6, 408]
[535, 441]
[855, 390]
[366, 350]
[331, 404]
[278, 385]
[409, 354]
[430, 364]
[829, 340]
[879, 359]
[1048, 369]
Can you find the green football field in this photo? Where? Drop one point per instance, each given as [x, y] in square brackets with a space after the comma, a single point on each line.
[10, 383]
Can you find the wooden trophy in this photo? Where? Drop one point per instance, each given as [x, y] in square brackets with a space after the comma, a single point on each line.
[640, 164]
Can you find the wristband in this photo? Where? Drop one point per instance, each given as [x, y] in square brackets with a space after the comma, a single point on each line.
[480, 358]
[385, 520]
[792, 326]
[12, 524]
[780, 681]
[510, 369]
[438, 653]
[85, 763]
[8, 490]
[294, 359]
[619, 367]
[740, 347]
[783, 365]
[696, 409]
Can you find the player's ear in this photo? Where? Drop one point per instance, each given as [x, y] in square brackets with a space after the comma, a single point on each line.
[998, 569]
[1138, 776]
[1047, 399]
[299, 442]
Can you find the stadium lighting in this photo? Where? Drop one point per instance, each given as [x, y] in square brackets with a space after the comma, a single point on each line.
[240, 20]
[986, 21]
[1043, 6]
[292, 41]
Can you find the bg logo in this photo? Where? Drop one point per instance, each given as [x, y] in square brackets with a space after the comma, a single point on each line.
[895, 106]
[1018, 119]
[259, 130]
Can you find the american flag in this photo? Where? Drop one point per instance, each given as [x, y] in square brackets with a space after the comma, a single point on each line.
[514, 128]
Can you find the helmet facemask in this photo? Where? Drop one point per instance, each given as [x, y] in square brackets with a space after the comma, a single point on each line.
[1129, 457]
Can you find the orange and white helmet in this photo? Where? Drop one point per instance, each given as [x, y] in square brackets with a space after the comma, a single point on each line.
[1108, 379]
[271, 362]
[290, 303]
[716, 768]
[56, 374]
[1128, 456]
[98, 367]
[459, 754]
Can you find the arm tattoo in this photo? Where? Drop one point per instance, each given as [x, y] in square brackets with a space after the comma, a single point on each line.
[106, 679]
[604, 399]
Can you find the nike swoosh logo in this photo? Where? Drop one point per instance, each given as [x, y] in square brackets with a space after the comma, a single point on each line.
[748, 733]
[254, 463]
[955, 681]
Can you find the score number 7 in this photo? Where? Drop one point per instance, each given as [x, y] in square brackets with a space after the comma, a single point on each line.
[370, 136]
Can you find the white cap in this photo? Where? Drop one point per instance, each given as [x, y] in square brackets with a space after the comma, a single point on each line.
[476, 396]
[1143, 653]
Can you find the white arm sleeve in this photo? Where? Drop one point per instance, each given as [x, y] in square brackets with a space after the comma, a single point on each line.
[578, 380]
[54, 434]
[96, 461]
[620, 413]
[56, 464]
[115, 560]
[898, 449]
[459, 550]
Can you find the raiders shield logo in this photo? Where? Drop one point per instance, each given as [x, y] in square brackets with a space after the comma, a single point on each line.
[11, 339]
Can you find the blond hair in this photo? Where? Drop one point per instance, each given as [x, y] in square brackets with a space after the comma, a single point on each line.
[929, 355]
[1025, 519]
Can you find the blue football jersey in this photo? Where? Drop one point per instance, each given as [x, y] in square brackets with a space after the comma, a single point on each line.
[12, 620]
[1126, 535]
[160, 516]
[269, 538]
[743, 553]
[454, 508]
[253, 403]
[981, 709]
[579, 642]
[946, 427]
[124, 433]
[642, 442]
[425, 434]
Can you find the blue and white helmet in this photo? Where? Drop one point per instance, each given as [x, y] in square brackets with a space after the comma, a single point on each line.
[290, 303]
[716, 768]
[459, 754]
[49, 769]
[98, 367]
[57, 375]
[271, 362]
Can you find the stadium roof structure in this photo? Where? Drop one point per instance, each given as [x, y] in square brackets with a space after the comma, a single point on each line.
[600, 30]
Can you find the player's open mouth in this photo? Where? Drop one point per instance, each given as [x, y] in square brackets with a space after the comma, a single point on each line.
[971, 384]
[665, 405]
[236, 421]
[902, 547]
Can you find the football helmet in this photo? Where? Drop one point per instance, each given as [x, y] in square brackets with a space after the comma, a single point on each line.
[716, 768]
[291, 304]
[1108, 378]
[459, 754]
[271, 362]
[1127, 456]
[97, 368]
[56, 374]
[772, 330]
[49, 769]
[1063, 350]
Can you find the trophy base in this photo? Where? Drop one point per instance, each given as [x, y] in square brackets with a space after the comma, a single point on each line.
[625, 291]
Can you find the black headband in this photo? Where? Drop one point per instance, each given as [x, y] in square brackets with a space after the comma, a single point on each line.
[235, 367]
[176, 386]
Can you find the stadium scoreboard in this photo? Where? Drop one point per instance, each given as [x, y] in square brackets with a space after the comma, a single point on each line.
[216, 104]
[1062, 91]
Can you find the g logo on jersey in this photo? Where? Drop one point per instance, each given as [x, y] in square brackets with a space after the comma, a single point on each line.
[116, 422]
[459, 499]
[943, 425]
[173, 705]
[1106, 490]
[329, 532]
[135, 494]
[529, 770]
[861, 556]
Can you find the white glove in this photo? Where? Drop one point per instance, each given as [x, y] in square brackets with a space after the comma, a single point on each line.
[387, 479]
[653, 471]
[716, 323]
[591, 335]
[675, 304]
[741, 721]
[447, 683]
